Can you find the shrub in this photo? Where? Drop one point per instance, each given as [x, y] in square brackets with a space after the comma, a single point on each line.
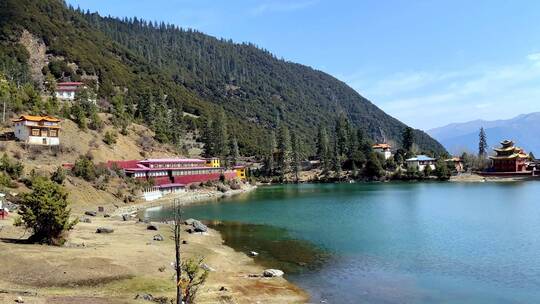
[110, 138]
[59, 175]
[84, 168]
[13, 168]
[6, 181]
[45, 211]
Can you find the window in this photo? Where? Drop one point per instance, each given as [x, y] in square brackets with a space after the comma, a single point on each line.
[53, 133]
[35, 132]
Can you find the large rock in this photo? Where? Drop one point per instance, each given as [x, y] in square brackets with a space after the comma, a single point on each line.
[199, 227]
[125, 217]
[104, 230]
[152, 227]
[90, 213]
[272, 273]
[158, 237]
[85, 220]
[189, 221]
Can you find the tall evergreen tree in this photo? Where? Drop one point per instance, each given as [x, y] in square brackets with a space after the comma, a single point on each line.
[234, 152]
[284, 149]
[295, 157]
[408, 139]
[269, 158]
[220, 136]
[482, 143]
[323, 149]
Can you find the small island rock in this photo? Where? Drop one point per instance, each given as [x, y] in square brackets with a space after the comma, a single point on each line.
[272, 273]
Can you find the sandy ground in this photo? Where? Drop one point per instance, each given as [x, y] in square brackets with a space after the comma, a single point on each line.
[113, 268]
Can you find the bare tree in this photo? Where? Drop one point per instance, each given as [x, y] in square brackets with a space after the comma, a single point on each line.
[177, 228]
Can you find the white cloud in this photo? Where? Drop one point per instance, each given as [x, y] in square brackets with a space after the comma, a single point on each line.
[280, 6]
[428, 99]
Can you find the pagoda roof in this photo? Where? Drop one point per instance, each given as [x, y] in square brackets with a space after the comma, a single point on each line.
[381, 146]
[36, 118]
[512, 156]
[173, 160]
[421, 158]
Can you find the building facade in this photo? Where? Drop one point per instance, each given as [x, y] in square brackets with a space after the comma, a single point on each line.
[420, 162]
[37, 130]
[509, 158]
[383, 149]
[171, 175]
[67, 90]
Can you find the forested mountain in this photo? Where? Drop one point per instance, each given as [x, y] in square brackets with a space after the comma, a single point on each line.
[160, 67]
[463, 137]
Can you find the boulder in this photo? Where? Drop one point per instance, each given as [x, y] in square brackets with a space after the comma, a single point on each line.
[104, 230]
[152, 227]
[85, 220]
[272, 273]
[199, 227]
[125, 217]
[144, 296]
[19, 300]
[90, 213]
[253, 253]
[189, 221]
[101, 209]
[184, 242]
[158, 237]
[106, 215]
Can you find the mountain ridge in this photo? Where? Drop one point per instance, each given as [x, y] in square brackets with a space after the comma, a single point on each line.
[197, 72]
[458, 137]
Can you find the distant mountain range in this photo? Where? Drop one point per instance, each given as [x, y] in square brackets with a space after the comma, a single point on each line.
[524, 130]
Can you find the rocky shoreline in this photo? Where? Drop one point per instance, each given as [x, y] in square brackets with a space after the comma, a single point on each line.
[109, 259]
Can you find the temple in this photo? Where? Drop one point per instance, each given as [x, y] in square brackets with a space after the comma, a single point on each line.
[509, 159]
[170, 175]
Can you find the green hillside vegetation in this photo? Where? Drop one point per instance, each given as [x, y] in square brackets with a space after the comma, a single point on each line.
[151, 73]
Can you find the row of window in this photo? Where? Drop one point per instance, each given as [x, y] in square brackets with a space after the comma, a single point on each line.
[194, 172]
[44, 133]
[175, 165]
[177, 172]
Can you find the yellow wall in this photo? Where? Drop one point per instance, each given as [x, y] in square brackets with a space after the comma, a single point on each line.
[213, 162]
[241, 173]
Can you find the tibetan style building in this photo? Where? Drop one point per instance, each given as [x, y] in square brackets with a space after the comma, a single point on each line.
[37, 130]
[509, 159]
[170, 175]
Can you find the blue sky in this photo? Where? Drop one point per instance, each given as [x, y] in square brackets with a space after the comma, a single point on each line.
[428, 63]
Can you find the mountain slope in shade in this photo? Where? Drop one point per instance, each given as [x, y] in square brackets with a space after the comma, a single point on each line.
[195, 71]
[463, 137]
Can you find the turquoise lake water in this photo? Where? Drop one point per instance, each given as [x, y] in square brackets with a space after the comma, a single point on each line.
[393, 242]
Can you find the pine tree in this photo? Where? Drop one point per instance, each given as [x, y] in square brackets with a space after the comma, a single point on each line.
[270, 148]
[295, 159]
[482, 143]
[408, 139]
[323, 149]
[235, 153]
[207, 139]
[220, 136]
[284, 149]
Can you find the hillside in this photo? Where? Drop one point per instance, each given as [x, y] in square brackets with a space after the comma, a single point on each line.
[158, 68]
[459, 137]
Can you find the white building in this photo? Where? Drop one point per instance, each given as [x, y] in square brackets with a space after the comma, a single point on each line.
[67, 90]
[420, 162]
[37, 130]
[383, 149]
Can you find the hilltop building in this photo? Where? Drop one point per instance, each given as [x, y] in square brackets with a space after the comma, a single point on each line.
[420, 162]
[67, 90]
[37, 130]
[172, 175]
[383, 149]
[509, 159]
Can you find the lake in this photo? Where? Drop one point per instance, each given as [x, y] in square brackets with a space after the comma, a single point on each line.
[391, 242]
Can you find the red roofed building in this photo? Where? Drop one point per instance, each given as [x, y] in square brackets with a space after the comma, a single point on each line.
[384, 149]
[170, 175]
[67, 90]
